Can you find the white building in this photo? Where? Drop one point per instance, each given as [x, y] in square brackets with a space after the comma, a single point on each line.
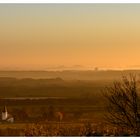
[6, 116]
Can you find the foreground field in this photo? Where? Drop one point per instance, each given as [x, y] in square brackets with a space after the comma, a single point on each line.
[36, 117]
[62, 129]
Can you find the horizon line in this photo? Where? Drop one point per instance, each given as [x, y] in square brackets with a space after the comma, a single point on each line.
[41, 70]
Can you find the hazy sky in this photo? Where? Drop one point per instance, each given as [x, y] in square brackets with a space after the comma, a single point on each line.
[36, 36]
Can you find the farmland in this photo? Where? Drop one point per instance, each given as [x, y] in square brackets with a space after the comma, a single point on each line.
[34, 103]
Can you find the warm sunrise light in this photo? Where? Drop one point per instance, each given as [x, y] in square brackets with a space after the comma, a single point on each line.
[66, 35]
[70, 70]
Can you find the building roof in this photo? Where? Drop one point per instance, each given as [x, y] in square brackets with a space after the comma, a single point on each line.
[4, 109]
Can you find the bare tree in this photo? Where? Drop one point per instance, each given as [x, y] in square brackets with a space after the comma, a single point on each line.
[123, 104]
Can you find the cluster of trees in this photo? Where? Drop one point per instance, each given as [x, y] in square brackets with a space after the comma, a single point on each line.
[41, 114]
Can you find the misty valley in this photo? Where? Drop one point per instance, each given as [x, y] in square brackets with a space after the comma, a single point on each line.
[56, 106]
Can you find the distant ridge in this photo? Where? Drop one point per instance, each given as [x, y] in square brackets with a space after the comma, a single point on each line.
[70, 74]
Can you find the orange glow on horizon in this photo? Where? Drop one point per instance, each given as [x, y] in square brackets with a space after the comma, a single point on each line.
[89, 35]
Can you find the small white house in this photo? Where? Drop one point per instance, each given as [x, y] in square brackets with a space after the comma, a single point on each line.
[6, 116]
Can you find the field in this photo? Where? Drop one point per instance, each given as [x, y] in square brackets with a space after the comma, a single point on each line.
[69, 107]
[32, 113]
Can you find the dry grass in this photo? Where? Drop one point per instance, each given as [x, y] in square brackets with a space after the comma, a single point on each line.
[62, 129]
[86, 129]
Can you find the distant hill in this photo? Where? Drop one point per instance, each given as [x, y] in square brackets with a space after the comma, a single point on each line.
[70, 74]
[79, 84]
[55, 87]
